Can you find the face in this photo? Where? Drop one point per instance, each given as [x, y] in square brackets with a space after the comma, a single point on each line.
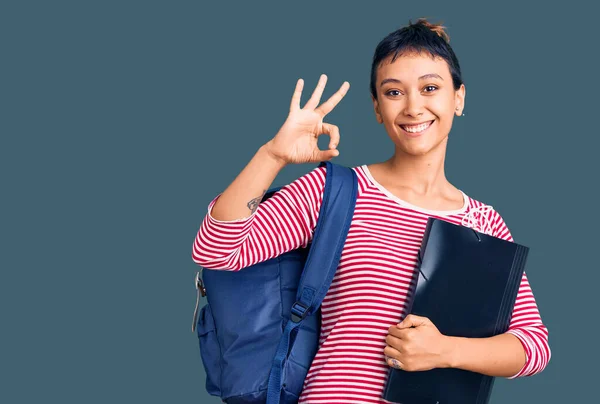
[417, 89]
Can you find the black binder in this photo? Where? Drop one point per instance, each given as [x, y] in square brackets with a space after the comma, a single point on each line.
[467, 286]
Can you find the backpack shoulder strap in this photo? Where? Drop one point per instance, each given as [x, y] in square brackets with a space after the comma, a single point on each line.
[335, 216]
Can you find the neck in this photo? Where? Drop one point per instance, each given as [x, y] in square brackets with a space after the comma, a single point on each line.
[422, 174]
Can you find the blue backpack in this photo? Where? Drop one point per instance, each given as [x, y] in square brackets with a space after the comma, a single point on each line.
[259, 332]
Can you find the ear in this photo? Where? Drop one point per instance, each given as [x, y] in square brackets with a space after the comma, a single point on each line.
[376, 109]
[459, 100]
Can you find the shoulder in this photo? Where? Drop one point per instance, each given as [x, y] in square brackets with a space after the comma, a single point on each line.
[317, 176]
[311, 183]
[485, 218]
[310, 186]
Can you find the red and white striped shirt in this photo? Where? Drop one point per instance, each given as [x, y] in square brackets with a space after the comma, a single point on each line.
[370, 288]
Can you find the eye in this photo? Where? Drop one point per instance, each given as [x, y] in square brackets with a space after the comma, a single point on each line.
[434, 88]
[392, 91]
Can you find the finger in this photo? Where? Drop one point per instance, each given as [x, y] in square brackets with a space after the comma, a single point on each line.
[334, 100]
[402, 334]
[295, 104]
[334, 134]
[326, 155]
[396, 363]
[392, 352]
[394, 342]
[412, 321]
[393, 362]
[316, 95]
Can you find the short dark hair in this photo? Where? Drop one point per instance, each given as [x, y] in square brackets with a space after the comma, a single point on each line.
[422, 36]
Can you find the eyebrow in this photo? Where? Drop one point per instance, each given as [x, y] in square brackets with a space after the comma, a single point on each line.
[425, 76]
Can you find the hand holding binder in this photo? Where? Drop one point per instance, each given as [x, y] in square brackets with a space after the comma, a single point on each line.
[416, 344]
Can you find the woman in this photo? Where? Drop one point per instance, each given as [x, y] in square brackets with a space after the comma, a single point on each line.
[416, 90]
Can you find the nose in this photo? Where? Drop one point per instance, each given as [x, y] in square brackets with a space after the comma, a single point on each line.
[414, 105]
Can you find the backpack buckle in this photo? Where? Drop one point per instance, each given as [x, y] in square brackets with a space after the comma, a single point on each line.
[200, 291]
[200, 284]
[299, 311]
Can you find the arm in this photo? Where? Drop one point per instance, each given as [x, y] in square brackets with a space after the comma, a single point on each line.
[242, 197]
[283, 222]
[415, 344]
[238, 230]
[522, 351]
[501, 355]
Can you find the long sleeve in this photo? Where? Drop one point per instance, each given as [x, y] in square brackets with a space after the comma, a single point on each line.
[526, 323]
[282, 223]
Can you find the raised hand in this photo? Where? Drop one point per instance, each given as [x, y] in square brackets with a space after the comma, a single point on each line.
[296, 140]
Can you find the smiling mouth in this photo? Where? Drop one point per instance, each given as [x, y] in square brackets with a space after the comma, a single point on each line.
[417, 128]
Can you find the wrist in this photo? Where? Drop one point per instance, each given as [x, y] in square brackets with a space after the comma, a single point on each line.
[451, 350]
[267, 154]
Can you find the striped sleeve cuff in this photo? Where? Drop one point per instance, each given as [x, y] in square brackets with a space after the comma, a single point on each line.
[524, 341]
[218, 243]
[537, 350]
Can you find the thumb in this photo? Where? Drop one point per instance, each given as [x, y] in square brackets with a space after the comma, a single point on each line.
[413, 320]
[334, 139]
[334, 134]
[326, 155]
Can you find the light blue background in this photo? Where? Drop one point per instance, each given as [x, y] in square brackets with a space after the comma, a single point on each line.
[120, 121]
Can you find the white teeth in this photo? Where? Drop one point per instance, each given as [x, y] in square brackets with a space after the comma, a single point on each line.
[418, 128]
